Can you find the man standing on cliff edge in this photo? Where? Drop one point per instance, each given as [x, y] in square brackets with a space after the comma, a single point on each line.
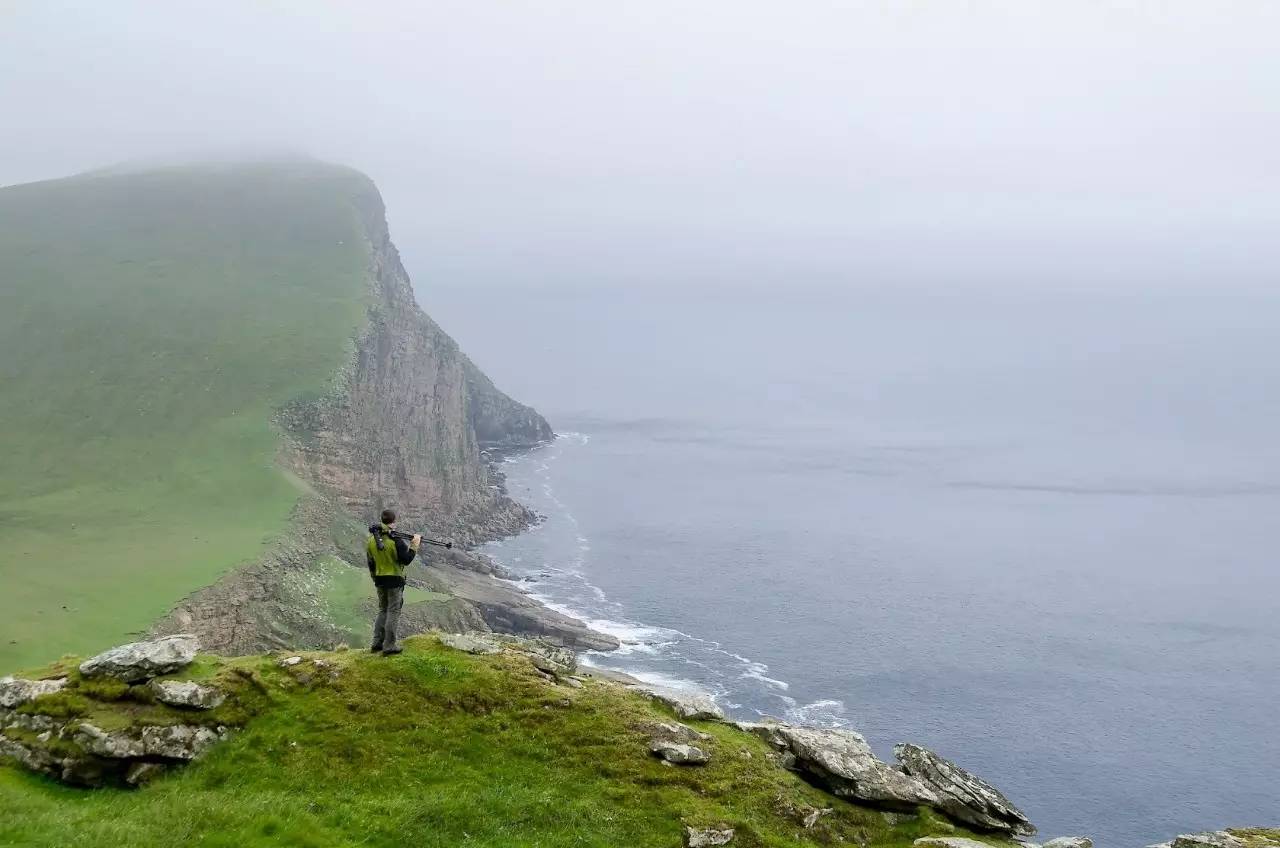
[386, 567]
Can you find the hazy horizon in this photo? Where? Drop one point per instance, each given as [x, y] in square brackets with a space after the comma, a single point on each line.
[996, 145]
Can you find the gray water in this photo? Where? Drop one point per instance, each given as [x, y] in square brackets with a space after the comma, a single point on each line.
[1037, 536]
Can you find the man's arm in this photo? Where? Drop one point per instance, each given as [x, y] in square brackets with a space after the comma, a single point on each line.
[368, 558]
[405, 551]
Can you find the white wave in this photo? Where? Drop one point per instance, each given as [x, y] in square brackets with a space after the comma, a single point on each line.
[823, 713]
[756, 671]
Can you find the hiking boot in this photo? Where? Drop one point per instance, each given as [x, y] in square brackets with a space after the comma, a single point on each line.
[391, 652]
[375, 649]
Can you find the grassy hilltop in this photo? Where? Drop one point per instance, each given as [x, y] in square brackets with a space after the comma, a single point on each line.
[433, 748]
[150, 324]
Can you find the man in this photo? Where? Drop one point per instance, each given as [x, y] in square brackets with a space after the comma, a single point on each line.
[387, 558]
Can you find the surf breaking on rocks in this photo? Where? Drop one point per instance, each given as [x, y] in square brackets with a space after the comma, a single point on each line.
[551, 563]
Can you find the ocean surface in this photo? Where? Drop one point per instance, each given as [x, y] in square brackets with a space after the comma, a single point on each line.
[1039, 536]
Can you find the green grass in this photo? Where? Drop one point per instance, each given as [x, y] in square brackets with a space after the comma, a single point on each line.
[439, 748]
[150, 324]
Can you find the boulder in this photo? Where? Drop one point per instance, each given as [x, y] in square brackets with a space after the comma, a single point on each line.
[948, 842]
[187, 693]
[472, 643]
[1209, 839]
[964, 796]
[687, 705]
[673, 731]
[140, 661]
[1069, 842]
[704, 837]
[679, 753]
[14, 691]
[843, 762]
[175, 742]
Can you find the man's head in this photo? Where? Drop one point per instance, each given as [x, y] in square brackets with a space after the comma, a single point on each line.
[388, 517]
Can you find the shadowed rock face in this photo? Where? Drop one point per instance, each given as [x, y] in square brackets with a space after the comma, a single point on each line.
[961, 795]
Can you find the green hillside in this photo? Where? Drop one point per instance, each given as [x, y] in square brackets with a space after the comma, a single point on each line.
[150, 323]
[434, 748]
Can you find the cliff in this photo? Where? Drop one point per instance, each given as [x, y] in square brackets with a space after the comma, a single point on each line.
[411, 413]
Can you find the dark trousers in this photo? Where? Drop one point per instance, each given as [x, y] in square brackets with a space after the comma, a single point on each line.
[390, 601]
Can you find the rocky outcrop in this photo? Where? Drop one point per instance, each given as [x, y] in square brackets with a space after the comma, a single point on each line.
[15, 692]
[686, 704]
[174, 742]
[85, 747]
[844, 763]
[964, 796]
[143, 660]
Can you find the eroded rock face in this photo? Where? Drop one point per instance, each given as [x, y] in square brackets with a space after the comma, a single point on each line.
[15, 691]
[688, 705]
[176, 742]
[704, 837]
[845, 763]
[140, 661]
[679, 753]
[964, 796]
[186, 693]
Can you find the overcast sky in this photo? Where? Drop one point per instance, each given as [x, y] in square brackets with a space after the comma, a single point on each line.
[947, 143]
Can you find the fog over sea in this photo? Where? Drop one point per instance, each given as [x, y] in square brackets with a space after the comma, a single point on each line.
[1037, 535]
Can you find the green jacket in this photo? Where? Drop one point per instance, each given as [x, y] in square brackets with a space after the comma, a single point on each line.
[387, 557]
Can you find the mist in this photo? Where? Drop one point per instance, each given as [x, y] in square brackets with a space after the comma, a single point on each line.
[1110, 146]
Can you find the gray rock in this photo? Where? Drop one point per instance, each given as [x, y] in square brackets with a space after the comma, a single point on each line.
[766, 730]
[14, 691]
[964, 796]
[948, 842]
[705, 837]
[1209, 839]
[33, 723]
[674, 732]
[472, 643]
[187, 693]
[687, 705]
[176, 742]
[289, 662]
[1072, 842]
[144, 772]
[139, 661]
[679, 753]
[844, 762]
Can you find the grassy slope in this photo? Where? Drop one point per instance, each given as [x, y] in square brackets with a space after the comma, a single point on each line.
[438, 748]
[149, 325]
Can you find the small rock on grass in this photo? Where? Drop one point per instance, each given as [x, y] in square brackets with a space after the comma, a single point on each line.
[290, 661]
[704, 837]
[680, 754]
[948, 842]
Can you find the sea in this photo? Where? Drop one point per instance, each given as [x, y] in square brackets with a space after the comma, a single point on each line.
[1038, 534]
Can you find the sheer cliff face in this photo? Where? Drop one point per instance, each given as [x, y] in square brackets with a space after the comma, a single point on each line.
[406, 427]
